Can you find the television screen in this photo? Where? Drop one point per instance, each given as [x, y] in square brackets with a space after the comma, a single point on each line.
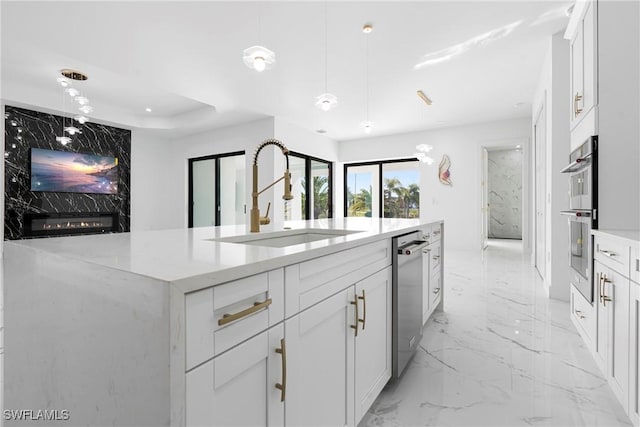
[63, 171]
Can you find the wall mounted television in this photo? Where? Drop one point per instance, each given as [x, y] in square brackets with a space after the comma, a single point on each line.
[68, 172]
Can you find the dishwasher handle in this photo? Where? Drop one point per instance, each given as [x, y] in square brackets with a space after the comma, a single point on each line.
[412, 248]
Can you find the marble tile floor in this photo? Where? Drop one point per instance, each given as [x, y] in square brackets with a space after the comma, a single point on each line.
[501, 354]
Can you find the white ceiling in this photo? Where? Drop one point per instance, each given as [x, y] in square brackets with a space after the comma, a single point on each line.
[184, 60]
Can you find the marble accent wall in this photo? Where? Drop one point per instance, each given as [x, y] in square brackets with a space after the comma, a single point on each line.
[25, 129]
[505, 194]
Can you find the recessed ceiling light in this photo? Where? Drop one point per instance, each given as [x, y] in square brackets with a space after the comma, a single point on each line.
[321, 131]
[148, 110]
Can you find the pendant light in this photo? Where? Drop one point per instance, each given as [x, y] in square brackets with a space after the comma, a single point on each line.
[367, 125]
[326, 101]
[257, 57]
[66, 81]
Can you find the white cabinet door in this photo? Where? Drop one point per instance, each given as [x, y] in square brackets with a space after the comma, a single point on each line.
[320, 357]
[237, 388]
[589, 46]
[373, 343]
[613, 329]
[435, 280]
[583, 64]
[576, 52]
[634, 354]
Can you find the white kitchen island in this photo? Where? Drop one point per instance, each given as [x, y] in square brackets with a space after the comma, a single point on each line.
[195, 327]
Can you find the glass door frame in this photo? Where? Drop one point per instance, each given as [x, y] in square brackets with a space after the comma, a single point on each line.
[309, 181]
[380, 164]
[216, 194]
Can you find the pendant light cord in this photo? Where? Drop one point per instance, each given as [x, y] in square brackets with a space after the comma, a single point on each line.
[326, 49]
[366, 72]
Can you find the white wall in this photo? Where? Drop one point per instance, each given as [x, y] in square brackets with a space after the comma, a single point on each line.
[553, 92]
[458, 204]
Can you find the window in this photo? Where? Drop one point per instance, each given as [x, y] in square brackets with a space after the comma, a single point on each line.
[217, 190]
[312, 188]
[387, 189]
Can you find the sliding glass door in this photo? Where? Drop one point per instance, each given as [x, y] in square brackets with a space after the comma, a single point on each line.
[217, 190]
[312, 188]
[387, 189]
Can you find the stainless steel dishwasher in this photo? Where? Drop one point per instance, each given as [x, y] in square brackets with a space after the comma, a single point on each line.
[407, 297]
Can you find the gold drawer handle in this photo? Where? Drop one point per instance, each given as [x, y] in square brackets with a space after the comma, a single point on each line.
[364, 314]
[257, 306]
[355, 302]
[604, 299]
[576, 110]
[283, 385]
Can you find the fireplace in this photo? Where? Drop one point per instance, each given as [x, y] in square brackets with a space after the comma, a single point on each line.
[65, 224]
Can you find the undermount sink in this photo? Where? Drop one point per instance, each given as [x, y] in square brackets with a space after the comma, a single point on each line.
[281, 239]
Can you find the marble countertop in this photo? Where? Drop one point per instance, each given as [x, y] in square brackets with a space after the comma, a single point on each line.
[631, 236]
[192, 260]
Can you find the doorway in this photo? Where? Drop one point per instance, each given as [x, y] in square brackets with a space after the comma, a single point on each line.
[504, 192]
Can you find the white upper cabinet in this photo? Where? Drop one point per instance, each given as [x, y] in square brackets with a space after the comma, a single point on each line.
[582, 33]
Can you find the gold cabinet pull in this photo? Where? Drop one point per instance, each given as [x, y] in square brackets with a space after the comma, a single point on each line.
[576, 110]
[283, 385]
[600, 289]
[257, 306]
[610, 254]
[605, 298]
[364, 312]
[355, 302]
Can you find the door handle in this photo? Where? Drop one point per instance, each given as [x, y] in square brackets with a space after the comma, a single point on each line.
[355, 302]
[364, 312]
[283, 385]
[604, 297]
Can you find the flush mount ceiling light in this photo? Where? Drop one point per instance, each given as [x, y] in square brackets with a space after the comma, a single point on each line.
[259, 58]
[73, 74]
[424, 97]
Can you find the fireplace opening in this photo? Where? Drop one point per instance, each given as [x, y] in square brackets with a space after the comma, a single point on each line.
[64, 224]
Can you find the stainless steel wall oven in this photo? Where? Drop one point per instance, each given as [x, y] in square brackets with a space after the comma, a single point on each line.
[583, 214]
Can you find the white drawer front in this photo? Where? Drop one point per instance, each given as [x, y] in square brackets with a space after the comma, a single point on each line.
[583, 315]
[221, 317]
[312, 281]
[613, 253]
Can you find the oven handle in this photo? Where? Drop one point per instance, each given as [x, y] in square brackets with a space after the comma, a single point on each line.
[577, 165]
[578, 214]
[412, 248]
